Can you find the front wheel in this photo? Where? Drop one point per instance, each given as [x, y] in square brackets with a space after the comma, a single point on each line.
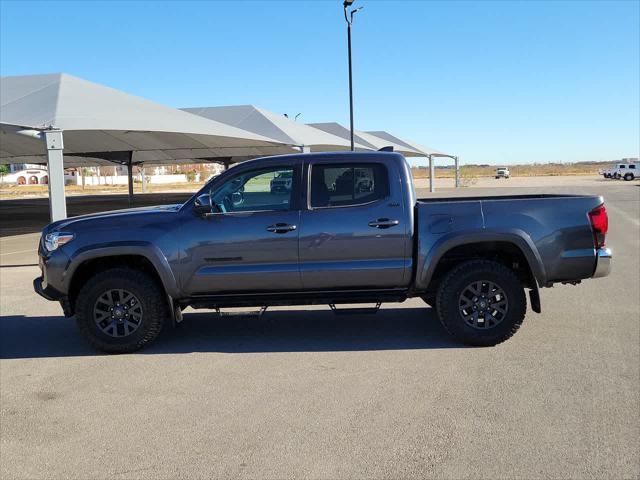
[121, 310]
[481, 303]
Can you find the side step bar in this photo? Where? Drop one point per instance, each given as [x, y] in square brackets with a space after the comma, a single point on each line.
[338, 311]
[251, 313]
[355, 310]
[272, 299]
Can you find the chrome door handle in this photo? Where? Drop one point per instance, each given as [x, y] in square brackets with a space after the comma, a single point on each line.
[383, 223]
[281, 228]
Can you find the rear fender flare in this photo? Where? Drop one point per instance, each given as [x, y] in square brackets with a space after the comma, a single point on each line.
[516, 237]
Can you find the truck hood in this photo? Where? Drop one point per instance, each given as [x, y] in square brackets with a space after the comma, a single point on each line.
[126, 214]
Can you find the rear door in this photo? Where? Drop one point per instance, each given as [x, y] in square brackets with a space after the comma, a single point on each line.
[353, 228]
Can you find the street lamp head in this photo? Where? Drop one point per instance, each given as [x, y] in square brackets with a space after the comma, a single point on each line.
[348, 3]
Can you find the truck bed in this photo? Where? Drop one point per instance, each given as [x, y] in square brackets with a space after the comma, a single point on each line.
[553, 231]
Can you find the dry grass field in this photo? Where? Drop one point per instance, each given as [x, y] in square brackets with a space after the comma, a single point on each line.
[533, 170]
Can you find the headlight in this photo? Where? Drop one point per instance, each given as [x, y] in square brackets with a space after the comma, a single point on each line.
[56, 239]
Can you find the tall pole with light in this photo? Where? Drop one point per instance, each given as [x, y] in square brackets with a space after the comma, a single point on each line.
[348, 17]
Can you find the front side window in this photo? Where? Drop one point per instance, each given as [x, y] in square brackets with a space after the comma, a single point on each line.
[266, 189]
[343, 185]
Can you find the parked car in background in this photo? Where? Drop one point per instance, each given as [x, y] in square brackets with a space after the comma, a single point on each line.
[125, 275]
[625, 171]
[502, 172]
[282, 182]
[608, 172]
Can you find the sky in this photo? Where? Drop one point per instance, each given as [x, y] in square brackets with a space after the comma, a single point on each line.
[501, 82]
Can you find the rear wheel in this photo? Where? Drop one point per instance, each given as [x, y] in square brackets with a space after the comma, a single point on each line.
[628, 177]
[121, 310]
[481, 303]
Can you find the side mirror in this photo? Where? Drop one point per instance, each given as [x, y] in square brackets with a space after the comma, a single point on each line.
[203, 205]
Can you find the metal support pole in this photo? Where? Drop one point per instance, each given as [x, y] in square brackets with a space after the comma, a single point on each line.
[142, 175]
[457, 162]
[432, 175]
[55, 168]
[350, 84]
[130, 175]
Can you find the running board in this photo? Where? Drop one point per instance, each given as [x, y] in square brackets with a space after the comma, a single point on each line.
[245, 313]
[355, 310]
[274, 299]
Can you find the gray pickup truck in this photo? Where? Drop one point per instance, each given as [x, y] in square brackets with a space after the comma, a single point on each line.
[349, 230]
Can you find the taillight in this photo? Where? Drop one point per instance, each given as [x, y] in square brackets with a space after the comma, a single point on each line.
[599, 224]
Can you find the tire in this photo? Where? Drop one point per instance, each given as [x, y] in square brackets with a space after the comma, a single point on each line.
[628, 177]
[451, 296]
[148, 303]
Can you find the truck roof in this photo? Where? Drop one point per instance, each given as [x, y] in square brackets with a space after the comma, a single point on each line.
[338, 156]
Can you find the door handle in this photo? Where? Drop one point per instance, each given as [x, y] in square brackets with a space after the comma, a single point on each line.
[281, 228]
[383, 223]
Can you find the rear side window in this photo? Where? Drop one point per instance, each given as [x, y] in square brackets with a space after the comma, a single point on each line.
[348, 184]
[633, 167]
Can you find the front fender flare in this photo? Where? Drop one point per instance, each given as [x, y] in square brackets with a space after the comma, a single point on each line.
[144, 249]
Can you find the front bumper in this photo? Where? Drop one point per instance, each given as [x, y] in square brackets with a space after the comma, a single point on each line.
[603, 262]
[47, 292]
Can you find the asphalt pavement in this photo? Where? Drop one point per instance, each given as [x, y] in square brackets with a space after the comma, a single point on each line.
[301, 393]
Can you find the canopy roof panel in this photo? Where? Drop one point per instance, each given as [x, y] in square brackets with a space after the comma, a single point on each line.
[415, 146]
[338, 130]
[96, 118]
[371, 141]
[273, 125]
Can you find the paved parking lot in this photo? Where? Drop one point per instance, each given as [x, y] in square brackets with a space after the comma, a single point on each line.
[302, 393]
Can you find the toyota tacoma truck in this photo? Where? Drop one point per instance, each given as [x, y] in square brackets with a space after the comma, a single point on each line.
[125, 275]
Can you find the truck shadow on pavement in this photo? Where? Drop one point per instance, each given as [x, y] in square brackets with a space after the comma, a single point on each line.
[277, 331]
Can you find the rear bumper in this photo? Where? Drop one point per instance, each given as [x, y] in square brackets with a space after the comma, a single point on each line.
[603, 262]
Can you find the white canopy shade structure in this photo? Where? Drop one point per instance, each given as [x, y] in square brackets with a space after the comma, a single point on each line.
[424, 150]
[338, 130]
[279, 127]
[81, 119]
[428, 152]
[364, 138]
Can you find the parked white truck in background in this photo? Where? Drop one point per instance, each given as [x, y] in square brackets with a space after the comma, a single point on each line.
[625, 171]
[502, 172]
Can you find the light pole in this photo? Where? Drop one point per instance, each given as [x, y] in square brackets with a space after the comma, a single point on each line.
[348, 17]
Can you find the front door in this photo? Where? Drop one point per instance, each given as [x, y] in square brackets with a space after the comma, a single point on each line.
[250, 243]
[354, 230]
